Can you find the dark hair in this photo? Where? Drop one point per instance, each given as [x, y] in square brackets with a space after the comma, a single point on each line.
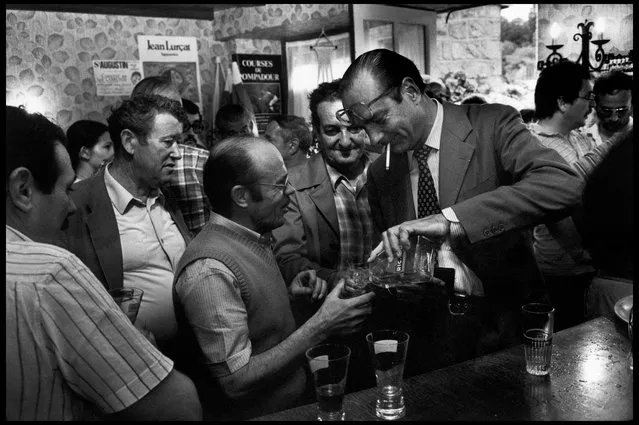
[611, 82]
[474, 99]
[137, 114]
[230, 163]
[155, 85]
[527, 114]
[30, 142]
[562, 80]
[191, 108]
[136, 73]
[83, 133]
[387, 68]
[325, 92]
[295, 127]
[232, 120]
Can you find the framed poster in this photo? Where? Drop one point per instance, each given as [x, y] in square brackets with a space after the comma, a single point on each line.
[261, 80]
[116, 77]
[176, 58]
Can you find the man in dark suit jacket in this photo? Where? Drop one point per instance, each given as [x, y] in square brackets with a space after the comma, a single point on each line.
[492, 179]
[328, 224]
[127, 230]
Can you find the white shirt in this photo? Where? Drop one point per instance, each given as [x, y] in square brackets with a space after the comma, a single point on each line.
[465, 279]
[151, 248]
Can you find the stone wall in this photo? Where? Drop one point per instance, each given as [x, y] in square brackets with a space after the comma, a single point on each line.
[618, 27]
[469, 42]
[49, 54]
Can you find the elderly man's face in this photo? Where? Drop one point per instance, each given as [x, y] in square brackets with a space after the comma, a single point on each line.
[613, 110]
[267, 210]
[155, 157]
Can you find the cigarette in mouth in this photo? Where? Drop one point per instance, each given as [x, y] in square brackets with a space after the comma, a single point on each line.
[387, 157]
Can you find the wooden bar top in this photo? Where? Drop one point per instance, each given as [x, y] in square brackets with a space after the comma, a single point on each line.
[589, 380]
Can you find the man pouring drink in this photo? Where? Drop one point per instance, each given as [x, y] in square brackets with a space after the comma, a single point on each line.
[470, 176]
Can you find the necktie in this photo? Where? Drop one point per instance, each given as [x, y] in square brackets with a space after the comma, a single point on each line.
[427, 203]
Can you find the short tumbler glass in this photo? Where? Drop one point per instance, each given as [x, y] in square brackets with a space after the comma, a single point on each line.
[538, 323]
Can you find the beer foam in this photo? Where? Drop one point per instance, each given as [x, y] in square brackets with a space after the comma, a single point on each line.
[318, 363]
[385, 346]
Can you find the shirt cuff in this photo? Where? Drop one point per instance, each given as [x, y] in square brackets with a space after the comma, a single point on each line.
[456, 229]
[450, 215]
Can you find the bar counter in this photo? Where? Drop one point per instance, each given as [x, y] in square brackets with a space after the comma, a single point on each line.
[589, 380]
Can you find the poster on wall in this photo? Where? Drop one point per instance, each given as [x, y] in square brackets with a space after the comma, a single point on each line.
[116, 77]
[173, 57]
[261, 79]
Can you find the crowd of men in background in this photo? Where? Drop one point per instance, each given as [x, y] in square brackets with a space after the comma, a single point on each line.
[240, 244]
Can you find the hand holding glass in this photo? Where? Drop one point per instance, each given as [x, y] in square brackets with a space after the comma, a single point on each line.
[538, 324]
[329, 366]
[128, 299]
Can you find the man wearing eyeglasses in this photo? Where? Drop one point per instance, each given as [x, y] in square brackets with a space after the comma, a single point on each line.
[194, 134]
[243, 349]
[471, 176]
[613, 106]
[563, 100]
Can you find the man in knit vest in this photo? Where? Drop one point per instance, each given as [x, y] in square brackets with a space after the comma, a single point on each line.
[241, 343]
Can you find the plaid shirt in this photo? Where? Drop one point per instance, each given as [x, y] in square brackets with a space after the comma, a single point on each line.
[187, 187]
[353, 216]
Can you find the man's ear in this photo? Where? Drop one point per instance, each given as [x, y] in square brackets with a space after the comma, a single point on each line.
[21, 189]
[410, 88]
[240, 195]
[562, 105]
[293, 146]
[129, 141]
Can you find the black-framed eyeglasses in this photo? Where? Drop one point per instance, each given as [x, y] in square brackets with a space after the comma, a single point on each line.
[590, 97]
[362, 111]
[608, 112]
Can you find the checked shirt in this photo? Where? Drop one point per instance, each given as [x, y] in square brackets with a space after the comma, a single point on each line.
[187, 187]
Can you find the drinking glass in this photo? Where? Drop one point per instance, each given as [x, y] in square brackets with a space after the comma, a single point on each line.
[388, 350]
[128, 299]
[329, 366]
[630, 355]
[538, 324]
[357, 278]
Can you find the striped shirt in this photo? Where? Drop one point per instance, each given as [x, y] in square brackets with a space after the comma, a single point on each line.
[187, 187]
[69, 348]
[353, 216]
[552, 254]
[211, 295]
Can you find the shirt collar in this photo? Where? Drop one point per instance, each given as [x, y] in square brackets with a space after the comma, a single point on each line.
[435, 136]
[336, 177]
[220, 220]
[14, 235]
[122, 198]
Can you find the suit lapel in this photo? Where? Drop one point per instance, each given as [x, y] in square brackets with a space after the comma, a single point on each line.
[321, 191]
[176, 215]
[454, 154]
[104, 233]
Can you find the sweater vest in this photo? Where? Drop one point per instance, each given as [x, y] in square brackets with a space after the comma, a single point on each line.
[265, 297]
